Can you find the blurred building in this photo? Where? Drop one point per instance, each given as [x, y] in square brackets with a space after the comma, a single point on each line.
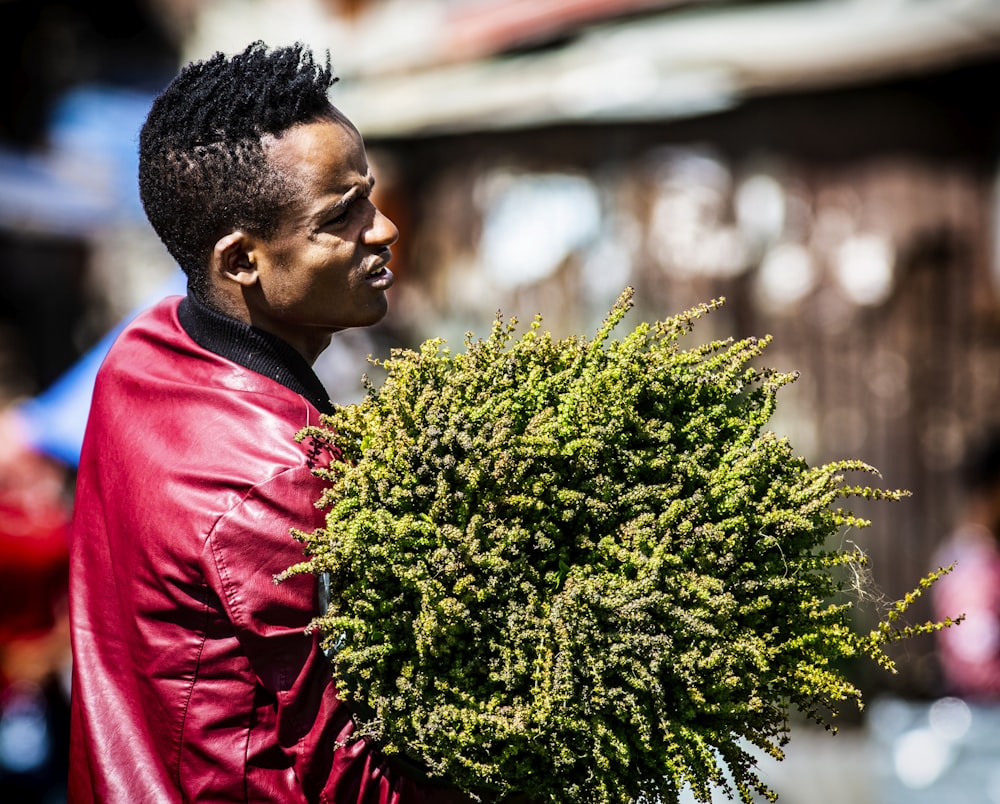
[76, 81]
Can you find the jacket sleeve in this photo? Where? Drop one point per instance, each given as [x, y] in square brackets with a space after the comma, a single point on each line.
[249, 546]
[297, 719]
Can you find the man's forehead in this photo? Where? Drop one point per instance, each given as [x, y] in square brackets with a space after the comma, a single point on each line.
[327, 145]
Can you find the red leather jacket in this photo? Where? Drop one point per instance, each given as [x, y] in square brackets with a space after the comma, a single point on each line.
[193, 679]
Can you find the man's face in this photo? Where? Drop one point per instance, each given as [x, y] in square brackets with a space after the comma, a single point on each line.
[324, 269]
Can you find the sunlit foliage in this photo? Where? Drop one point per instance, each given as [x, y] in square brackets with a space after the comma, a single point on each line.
[583, 569]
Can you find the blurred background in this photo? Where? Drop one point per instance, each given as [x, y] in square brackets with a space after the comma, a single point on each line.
[828, 166]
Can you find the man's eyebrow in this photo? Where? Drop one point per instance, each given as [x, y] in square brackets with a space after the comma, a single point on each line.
[364, 188]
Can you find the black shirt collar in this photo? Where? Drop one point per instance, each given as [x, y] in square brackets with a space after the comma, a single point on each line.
[252, 348]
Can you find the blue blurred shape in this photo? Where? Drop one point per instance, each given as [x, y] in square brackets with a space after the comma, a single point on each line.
[86, 177]
[55, 420]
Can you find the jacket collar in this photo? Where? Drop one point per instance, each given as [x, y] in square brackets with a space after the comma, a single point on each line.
[252, 348]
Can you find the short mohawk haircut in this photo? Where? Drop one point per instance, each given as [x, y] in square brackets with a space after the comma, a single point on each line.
[202, 168]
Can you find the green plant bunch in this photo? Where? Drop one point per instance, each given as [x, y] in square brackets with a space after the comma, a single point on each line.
[583, 569]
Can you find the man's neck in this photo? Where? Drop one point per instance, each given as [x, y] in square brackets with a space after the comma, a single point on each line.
[252, 348]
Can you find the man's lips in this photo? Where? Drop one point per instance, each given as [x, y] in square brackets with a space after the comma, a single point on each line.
[378, 273]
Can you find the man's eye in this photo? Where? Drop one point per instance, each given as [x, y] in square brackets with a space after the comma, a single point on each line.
[339, 219]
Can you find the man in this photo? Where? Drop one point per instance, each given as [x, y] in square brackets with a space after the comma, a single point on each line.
[194, 679]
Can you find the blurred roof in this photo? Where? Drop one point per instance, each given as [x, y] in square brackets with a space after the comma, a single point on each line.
[412, 68]
[603, 61]
[415, 67]
[486, 28]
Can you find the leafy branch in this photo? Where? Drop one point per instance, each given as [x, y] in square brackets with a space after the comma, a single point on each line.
[584, 570]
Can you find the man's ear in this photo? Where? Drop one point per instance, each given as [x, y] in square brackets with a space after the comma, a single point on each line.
[232, 259]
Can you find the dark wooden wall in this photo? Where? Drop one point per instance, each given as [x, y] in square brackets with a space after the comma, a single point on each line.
[904, 382]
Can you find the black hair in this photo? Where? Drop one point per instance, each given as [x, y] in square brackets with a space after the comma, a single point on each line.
[202, 167]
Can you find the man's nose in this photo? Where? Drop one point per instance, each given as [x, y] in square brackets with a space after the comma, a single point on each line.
[382, 230]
